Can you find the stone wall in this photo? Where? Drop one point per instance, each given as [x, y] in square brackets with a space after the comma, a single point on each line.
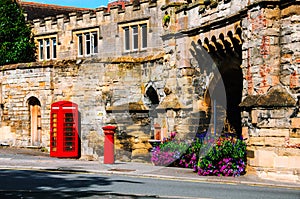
[18, 85]
[265, 43]
[106, 93]
[290, 49]
[212, 54]
[271, 85]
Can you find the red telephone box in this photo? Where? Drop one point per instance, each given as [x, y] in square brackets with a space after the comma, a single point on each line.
[64, 137]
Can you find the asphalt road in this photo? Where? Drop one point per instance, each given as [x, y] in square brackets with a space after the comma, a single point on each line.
[45, 184]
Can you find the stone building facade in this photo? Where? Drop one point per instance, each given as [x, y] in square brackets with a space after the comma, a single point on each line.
[214, 62]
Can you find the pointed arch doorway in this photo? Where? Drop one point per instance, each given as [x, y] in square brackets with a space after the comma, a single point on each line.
[35, 121]
[152, 102]
[226, 87]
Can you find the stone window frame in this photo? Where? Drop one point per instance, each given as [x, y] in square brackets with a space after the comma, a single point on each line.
[45, 50]
[129, 37]
[94, 38]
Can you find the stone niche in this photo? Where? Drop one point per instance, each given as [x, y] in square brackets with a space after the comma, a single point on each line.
[271, 129]
[133, 133]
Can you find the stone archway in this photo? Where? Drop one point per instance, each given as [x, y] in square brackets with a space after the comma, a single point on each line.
[226, 51]
[35, 121]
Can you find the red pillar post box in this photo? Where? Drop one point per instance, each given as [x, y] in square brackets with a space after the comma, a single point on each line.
[109, 144]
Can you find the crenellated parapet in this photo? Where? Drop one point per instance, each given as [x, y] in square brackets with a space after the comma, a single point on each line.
[113, 13]
[106, 26]
[109, 24]
[186, 15]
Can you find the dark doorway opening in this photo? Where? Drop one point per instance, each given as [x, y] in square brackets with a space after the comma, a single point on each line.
[226, 53]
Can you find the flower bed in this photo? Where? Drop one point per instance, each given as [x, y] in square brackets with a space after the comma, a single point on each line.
[225, 156]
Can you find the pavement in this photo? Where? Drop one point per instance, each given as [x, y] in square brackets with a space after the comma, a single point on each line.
[33, 159]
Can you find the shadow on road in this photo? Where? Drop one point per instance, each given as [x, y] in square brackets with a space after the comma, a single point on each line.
[55, 185]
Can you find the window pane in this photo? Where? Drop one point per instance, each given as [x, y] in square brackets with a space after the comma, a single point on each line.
[88, 44]
[80, 45]
[41, 49]
[144, 36]
[126, 35]
[94, 43]
[47, 49]
[54, 48]
[135, 37]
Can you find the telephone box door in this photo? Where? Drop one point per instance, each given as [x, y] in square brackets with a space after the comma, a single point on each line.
[64, 138]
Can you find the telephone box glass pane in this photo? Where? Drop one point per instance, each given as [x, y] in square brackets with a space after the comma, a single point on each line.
[69, 138]
[69, 120]
[68, 114]
[69, 132]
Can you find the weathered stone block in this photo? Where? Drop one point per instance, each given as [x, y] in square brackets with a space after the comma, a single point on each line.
[293, 162]
[257, 141]
[294, 141]
[254, 116]
[295, 122]
[274, 141]
[245, 133]
[281, 161]
[137, 133]
[273, 132]
[294, 133]
[273, 123]
[145, 139]
[264, 158]
[141, 146]
[124, 156]
[275, 113]
[140, 152]
[291, 10]
[287, 151]
[295, 37]
[272, 14]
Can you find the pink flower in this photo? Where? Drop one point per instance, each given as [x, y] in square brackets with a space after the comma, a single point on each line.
[172, 135]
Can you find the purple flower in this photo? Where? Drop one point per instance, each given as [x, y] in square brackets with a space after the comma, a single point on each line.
[172, 135]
